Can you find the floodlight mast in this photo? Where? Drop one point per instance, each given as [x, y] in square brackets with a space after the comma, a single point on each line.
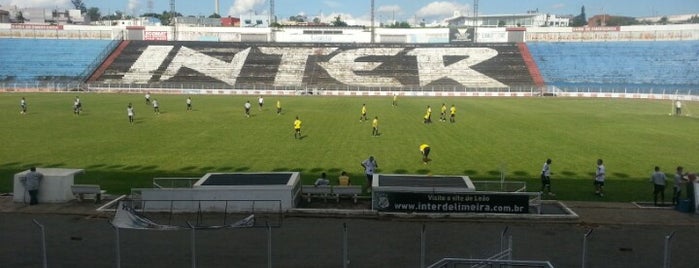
[475, 21]
[173, 20]
[372, 22]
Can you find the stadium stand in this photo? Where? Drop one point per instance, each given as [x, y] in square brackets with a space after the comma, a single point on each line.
[643, 66]
[50, 60]
[320, 66]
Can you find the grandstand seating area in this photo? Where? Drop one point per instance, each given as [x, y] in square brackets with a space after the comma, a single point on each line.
[50, 60]
[643, 66]
[599, 66]
[328, 66]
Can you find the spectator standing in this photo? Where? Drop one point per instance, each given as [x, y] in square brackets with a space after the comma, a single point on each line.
[659, 180]
[680, 180]
[600, 175]
[369, 166]
[546, 178]
[31, 182]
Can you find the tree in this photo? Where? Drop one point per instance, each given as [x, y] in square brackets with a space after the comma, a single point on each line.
[580, 20]
[338, 22]
[694, 19]
[402, 24]
[94, 13]
[79, 4]
[663, 20]
[215, 16]
[316, 20]
[501, 23]
[20, 17]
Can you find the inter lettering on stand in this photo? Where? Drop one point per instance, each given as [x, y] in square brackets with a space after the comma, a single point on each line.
[362, 67]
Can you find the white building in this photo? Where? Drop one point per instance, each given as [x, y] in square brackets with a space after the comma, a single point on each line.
[531, 19]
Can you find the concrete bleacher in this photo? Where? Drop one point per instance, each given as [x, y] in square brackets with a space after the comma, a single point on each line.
[643, 66]
[49, 60]
[319, 66]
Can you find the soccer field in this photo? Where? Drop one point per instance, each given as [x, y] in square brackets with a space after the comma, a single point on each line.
[490, 136]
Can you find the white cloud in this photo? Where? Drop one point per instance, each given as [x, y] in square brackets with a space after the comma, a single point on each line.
[440, 9]
[38, 3]
[558, 6]
[133, 5]
[332, 4]
[245, 6]
[389, 9]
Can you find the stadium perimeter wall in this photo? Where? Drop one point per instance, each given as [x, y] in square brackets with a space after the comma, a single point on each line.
[350, 34]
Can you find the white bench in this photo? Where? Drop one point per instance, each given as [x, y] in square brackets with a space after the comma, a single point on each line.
[323, 191]
[353, 191]
[80, 190]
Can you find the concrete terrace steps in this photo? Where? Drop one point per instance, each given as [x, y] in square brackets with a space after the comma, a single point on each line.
[329, 66]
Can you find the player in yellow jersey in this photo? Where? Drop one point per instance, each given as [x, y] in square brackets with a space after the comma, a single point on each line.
[297, 128]
[425, 151]
[395, 100]
[375, 127]
[443, 113]
[279, 107]
[452, 114]
[363, 116]
[428, 115]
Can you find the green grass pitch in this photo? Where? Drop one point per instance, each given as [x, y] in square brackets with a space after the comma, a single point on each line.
[514, 135]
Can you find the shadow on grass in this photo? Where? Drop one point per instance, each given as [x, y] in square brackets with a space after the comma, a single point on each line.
[568, 173]
[620, 175]
[241, 169]
[55, 165]
[423, 171]
[470, 172]
[493, 172]
[135, 167]
[316, 170]
[400, 171]
[334, 170]
[188, 168]
[521, 173]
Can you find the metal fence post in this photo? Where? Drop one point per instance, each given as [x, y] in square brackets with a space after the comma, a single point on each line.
[345, 248]
[666, 258]
[422, 246]
[117, 249]
[269, 245]
[584, 248]
[43, 243]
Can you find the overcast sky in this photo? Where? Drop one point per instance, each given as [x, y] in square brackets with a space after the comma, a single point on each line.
[386, 10]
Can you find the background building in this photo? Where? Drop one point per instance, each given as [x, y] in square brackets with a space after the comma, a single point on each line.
[529, 19]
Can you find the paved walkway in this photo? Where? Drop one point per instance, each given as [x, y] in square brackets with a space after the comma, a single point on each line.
[624, 236]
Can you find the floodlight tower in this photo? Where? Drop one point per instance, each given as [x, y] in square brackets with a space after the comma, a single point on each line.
[173, 20]
[372, 22]
[475, 21]
[272, 17]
